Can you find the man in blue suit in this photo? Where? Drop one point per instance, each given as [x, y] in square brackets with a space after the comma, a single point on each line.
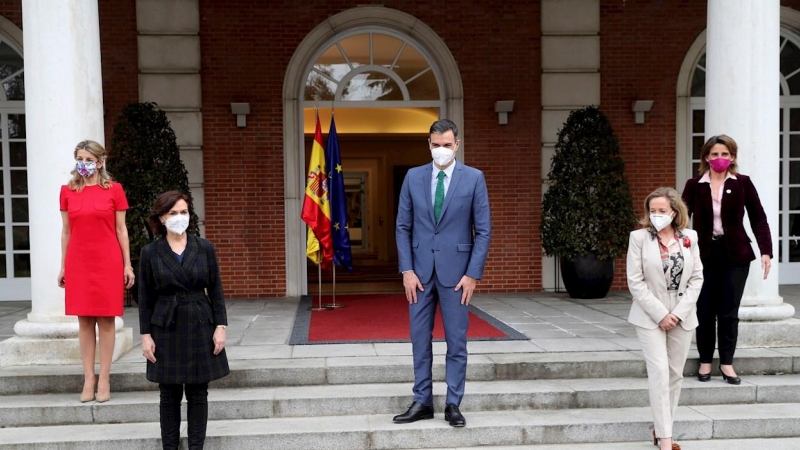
[443, 231]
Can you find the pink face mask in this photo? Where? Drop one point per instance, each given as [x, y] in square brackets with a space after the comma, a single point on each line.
[719, 165]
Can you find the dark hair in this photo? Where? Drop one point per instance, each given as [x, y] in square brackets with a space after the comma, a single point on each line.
[442, 126]
[162, 205]
[725, 140]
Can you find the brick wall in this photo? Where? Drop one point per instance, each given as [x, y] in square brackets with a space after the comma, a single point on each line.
[246, 47]
[119, 59]
[635, 67]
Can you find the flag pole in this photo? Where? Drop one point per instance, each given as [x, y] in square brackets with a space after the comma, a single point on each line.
[334, 305]
[319, 284]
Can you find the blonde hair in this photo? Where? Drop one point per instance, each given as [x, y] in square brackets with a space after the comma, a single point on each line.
[725, 140]
[681, 219]
[77, 182]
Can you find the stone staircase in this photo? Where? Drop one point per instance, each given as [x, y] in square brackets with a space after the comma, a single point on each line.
[514, 401]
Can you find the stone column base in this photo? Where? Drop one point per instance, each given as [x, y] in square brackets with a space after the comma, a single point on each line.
[19, 351]
[781, 333]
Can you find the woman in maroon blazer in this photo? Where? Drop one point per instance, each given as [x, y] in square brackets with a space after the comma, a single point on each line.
[717, 199]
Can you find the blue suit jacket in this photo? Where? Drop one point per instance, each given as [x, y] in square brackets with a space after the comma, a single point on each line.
[459, 243]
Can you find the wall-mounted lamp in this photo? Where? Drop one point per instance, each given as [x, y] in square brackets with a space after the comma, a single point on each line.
[639, 107]
[240, 110]
[502, 108]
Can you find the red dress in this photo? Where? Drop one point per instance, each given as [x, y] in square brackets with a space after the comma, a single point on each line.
[93, 270]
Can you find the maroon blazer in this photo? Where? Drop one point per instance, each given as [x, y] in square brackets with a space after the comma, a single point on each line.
[737, 196]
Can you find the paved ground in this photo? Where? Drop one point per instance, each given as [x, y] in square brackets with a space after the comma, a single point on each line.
[552, 321]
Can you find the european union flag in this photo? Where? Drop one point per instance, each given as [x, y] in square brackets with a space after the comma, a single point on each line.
[338, 202]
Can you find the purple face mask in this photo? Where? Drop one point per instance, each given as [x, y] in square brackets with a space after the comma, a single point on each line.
[86, 169]
[719, 165]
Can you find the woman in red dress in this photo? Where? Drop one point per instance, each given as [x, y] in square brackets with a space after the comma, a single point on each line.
[95, 260]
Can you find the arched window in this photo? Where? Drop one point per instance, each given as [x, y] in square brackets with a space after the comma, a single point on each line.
[788, 251]
[373, 75]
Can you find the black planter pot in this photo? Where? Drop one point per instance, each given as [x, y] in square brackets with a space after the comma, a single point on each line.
[586, 276]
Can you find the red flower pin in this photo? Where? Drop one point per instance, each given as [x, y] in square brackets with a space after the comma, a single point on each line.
[687, 242]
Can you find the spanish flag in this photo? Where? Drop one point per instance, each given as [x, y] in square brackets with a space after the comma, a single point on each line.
[316, 207]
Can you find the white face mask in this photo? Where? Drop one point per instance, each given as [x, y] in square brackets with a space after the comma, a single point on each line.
[660, 221]
[442, 156]
[178, 224]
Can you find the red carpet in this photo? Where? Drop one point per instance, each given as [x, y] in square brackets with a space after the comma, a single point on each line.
[380, 318]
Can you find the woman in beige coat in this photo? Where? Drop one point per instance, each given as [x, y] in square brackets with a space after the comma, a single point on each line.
[665, 276]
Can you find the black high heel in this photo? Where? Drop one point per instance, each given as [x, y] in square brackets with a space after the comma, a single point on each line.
[703, 377]
[730, 380]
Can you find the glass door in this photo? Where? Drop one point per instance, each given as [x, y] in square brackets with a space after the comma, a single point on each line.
[15, 257]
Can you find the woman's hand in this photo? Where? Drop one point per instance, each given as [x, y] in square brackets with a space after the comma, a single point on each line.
[766, 263]
[669, 322]
[219, 340]
[61, 280]
[129, 277]
[149, 348]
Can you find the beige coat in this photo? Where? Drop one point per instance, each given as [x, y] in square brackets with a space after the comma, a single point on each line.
[646, 282]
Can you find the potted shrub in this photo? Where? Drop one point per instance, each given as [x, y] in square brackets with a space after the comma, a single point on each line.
[587, 212]
[147, 161]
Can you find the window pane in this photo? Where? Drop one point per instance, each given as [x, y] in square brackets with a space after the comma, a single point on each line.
[794, 172]
[794, 146]
[22, 265]
[794, 199]
[357, 49]
[794, 244]
[790, 59]
[19, 182]
[695, 167]
[424, 87]
[699, 121]
[15, 87]
[16, 126]
[331, 56]
[697, 145]
[2, 211]
[410, 63]
[699, 82]
[384, 49]
[318, 87]
[19, 210]
[371, 86]
[2, 242]
[3, 273]
[10, 61]
[781, 120]
[2, 185]
[18, 154]
[22, 240]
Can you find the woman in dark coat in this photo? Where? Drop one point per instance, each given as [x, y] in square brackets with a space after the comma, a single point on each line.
[717, 199]
[182, 318]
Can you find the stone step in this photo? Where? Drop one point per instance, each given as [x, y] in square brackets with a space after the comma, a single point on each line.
[715, 444]
[392, 398]
[253, 373]
[498, 428]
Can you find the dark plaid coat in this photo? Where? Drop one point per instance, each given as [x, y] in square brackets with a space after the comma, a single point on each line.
[180, 305]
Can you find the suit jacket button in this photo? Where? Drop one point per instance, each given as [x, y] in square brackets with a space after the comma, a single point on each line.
[435, 232]
[680, 294]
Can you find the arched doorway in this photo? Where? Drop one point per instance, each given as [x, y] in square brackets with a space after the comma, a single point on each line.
[15, 258]
[691, 136]
[386, 74]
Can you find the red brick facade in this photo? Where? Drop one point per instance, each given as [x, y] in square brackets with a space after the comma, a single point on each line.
[246, 47]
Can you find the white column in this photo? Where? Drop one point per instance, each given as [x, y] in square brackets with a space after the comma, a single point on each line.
[742, 101]
[64, 105]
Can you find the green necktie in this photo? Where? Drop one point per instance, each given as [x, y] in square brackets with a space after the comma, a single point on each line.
[438, 200]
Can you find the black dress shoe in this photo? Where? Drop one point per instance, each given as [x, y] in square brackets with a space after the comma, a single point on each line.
[704, 376]
[454, 416]
[730, 380]
[417, 411]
